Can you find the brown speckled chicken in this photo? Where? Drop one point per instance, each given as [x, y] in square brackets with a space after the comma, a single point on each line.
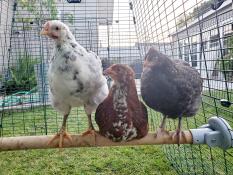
[122, 116]
[171, 87]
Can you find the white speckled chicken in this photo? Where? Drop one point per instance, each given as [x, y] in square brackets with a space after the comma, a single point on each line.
[75, 76]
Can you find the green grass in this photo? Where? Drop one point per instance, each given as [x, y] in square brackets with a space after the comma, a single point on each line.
[201, 159]
[111, 160]
[185, 159]
[40, 121]
[108, 160]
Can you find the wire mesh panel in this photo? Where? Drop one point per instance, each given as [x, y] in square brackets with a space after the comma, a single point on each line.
[199, 32]
[103, 26]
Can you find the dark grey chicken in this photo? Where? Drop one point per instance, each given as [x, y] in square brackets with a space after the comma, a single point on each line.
[170, 86]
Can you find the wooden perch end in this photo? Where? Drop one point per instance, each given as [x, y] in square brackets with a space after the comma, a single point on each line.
[41, 142]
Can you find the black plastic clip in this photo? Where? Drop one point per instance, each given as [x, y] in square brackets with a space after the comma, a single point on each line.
[74, 1]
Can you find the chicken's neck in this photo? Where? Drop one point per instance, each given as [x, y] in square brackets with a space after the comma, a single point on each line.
[123, 93]
[70, 44]
[120, 94]
[69, 37]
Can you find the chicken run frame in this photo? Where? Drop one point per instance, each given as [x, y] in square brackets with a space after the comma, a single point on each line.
[119, 31]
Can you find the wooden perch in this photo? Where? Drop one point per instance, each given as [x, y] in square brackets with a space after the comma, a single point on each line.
[41, 142]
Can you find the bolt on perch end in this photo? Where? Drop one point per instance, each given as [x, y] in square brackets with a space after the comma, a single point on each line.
[217, 133]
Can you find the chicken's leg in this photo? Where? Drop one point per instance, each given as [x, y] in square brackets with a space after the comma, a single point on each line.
[62, 134]
[179, 133]
[91, 129]
[161, 130]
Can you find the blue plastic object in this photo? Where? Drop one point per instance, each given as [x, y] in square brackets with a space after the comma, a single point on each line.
[217, 133]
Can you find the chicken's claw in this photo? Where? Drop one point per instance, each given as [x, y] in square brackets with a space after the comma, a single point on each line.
[89, 132]
[61, 135]
[161, 132]
[178, 136]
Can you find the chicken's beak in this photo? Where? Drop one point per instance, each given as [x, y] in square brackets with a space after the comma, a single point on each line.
[147, 64]
[44, 32]
[108, 71]
[45, 29]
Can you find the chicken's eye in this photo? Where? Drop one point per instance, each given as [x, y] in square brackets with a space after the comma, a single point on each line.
[57, 28]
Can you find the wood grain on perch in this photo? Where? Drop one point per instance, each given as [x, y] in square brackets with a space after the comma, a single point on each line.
[41, 142]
